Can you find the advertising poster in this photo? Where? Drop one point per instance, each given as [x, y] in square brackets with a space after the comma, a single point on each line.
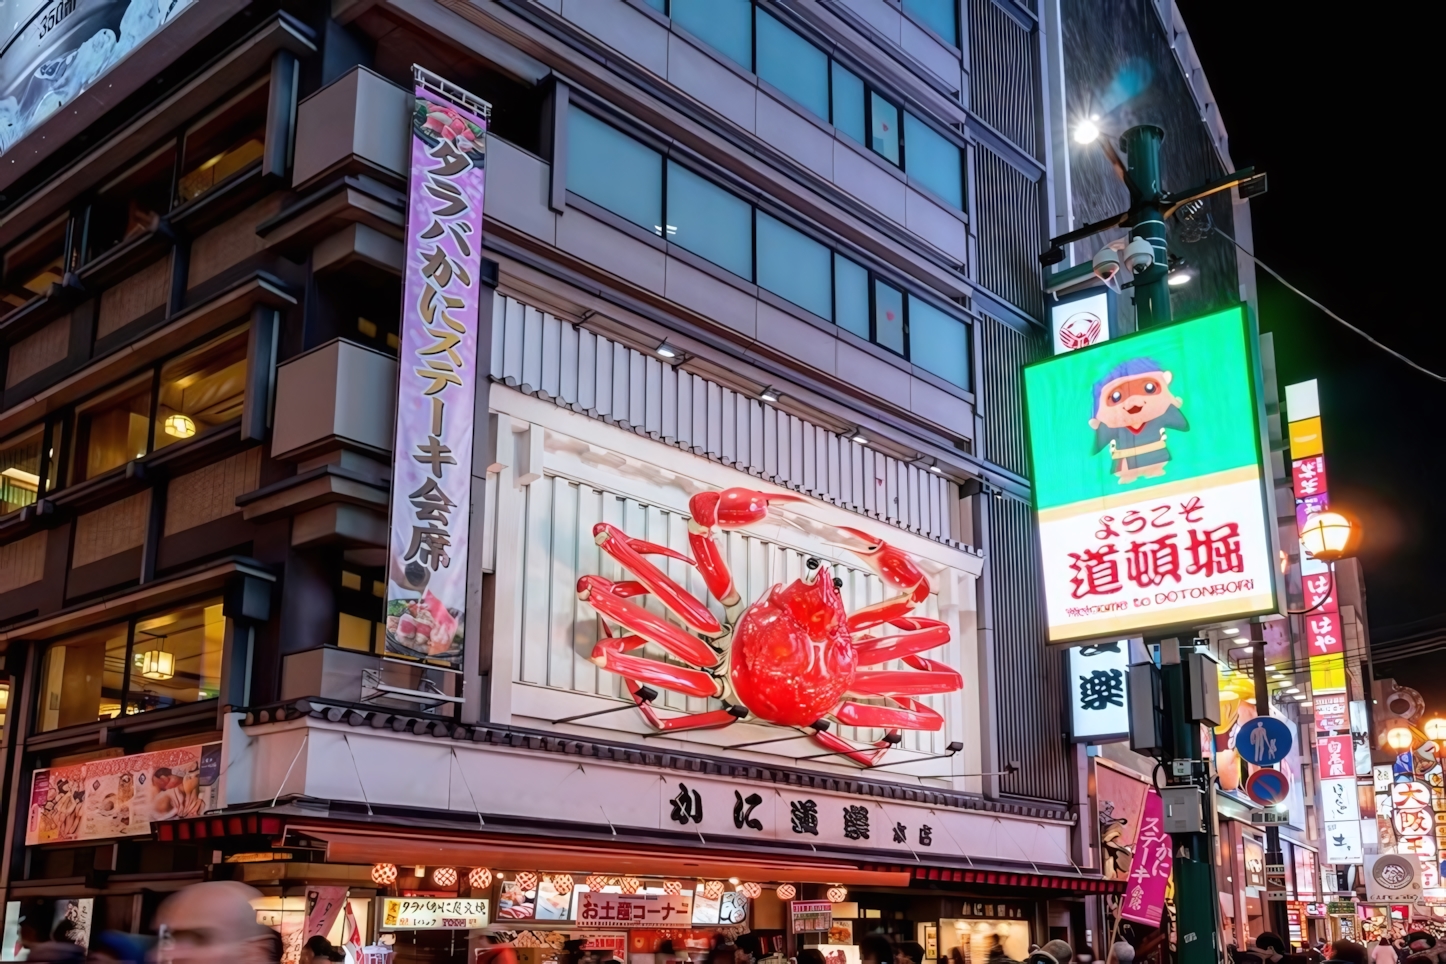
[1121, 802]
[1343, 841]
[1144, 899]
[122, 796]
[1149, 487]
[432, 913]
[432, 461]
[810, 915]
[55, 49]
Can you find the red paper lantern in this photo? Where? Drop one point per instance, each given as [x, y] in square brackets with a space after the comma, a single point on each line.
[750, 889]
[596, 882]
[713, 889]
[838, 894]
[562, 883]
[787, 892]
[445, 876]
[384, 874]
[672, 887]
[630, 885]
[527, 880]
[480, 878]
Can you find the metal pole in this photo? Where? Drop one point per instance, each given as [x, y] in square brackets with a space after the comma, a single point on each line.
[1275, 910]
[1142, 168]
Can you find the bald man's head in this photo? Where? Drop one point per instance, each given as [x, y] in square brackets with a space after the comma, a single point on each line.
[214, 922]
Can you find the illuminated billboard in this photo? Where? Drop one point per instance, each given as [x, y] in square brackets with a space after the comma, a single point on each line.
[1149, 485]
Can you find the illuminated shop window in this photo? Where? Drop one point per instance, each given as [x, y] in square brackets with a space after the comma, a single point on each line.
[113, 429]
[33, 265]
[202, 389]
[224, 144]
[131, 204]
[360, 600]
[82, 679]
[20, 470]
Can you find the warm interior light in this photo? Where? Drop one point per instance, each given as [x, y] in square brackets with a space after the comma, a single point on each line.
[838, 894]
[1398, 738]
[1247, 650]
[1436, 728]
[384, 874]
[1086, 132]
[713, 889]
[1231, 631]
[480, 878]
[786, 892]
[158, 664]
[180, 426]
[1326, 535]
[445, 876]
[22, 479]
[750, 889]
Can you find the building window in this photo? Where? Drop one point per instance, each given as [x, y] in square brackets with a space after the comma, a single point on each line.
[614, 171]
[933, 161]
[33, 265]
[725, 25]
[938, 342]
[794, 266]
[113, 429]
[848, 104]
[360, 619]
[224, 144]
[940, 16]
[709, 221]
[151, 663]
[4, 709]
[202, 389]
[731, 233]
[884, 129]
[132, 204]
[20, 470]
[792, 64]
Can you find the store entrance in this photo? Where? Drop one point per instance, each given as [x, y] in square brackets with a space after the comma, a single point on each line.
[431, 947]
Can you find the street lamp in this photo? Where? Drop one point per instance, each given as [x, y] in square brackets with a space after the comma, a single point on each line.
[1326, 536]
[1436, 729]
[1086, 132]
[1399, 738]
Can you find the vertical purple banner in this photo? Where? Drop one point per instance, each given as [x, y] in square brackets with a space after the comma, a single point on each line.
[432, 454]
[1144, 900]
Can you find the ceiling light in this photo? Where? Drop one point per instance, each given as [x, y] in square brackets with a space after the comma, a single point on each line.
[158, 665]
[858, 436]
[1247, 650]
[665, 350]
[1232, 631]
[179, 426]
[768, 394]
[1086, 132]
[1293, 689]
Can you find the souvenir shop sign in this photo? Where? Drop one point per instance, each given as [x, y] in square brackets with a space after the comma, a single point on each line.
[436, 391]
[810, 915]
[611, 911]
[122, 796]
[432, 914]
[1150, 490]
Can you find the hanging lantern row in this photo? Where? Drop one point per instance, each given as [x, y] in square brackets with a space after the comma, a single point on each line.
[480, 878]
[562, 883]
[786, 892]
[445, 876]
[596, 881]
[750, 889]
[527, 880]
[713, 889]
[672, 887]
[630, 885]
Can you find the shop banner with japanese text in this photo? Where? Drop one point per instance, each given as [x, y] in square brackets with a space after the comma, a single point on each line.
[1144, 900]
[598, 909]
[122, 796]
[432, 452]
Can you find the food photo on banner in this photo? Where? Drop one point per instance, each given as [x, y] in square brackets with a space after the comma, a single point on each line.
[427, 581]
[1149, 483]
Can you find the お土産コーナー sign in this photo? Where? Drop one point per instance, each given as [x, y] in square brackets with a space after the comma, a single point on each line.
[1149, 482]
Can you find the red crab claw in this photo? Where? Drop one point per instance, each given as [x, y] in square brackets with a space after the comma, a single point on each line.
[909, 715]
[655, 629]
[729, 509]
[630, 555]
[897, 568]
[921, 634]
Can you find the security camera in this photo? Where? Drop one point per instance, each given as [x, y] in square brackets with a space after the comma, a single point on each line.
[1107, 264]
[1139, 255]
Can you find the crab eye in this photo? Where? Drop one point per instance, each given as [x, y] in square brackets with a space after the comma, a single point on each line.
[1150, 388]
[1115, 396]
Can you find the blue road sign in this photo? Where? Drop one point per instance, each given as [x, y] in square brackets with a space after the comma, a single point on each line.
[1263, 741]
[1268, 787]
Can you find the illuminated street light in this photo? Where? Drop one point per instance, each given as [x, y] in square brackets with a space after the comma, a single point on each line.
[1326, 536]
[1086, 132]
[1436, 728]
[1399, 738]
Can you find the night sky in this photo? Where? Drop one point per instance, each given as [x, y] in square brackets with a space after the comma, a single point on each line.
[1338, 110]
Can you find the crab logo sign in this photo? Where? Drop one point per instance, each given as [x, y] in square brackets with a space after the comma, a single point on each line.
[1080, 322]
[791, 658]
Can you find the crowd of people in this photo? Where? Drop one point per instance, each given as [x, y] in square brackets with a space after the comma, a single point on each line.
[1417, 947]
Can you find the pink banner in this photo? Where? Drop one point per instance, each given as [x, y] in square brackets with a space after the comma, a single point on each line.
[432, 453]
[1144, 900]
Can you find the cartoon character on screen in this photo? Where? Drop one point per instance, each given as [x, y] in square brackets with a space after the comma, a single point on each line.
[1133, 408]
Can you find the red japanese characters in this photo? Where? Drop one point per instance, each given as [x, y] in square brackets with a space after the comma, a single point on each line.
[792, 657]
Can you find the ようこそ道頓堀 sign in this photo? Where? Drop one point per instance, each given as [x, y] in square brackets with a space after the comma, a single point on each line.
[1148, 480]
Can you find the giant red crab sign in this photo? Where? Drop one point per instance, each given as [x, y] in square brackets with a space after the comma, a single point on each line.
[793, 657]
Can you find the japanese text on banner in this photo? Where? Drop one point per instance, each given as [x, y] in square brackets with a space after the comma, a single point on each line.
[1144, 900]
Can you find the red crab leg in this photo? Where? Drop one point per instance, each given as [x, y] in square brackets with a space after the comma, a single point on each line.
[913, 715]
[729, 509]
[931, 677]
[630, 555]
[610, 655]
[711, 720]
[599, 592]
[842, 747]
[925, 634]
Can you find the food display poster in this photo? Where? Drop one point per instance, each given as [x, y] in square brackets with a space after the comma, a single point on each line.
[1150, 487]
[433, 913]
[122, 796]
[436, 391]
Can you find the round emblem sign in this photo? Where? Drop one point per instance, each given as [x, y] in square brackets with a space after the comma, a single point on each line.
[1268, 787]
[1393, 872]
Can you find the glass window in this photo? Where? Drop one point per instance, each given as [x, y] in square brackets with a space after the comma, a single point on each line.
[938, 343]
[132, 204]
[725, 25]
[939, 15]
[4, 708]
[792, 64]
[360, 622]
[934, 161]
[176, 658]
[83, 679]
[848, 104]
[709, 221]
[612, 170]
[33, 265]
[113, 430]
[20, 470]
[889, 317]
[793, 266]
[659, 5]
[202, 389]
[883, 127]
[850, 296]
[224, 144]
